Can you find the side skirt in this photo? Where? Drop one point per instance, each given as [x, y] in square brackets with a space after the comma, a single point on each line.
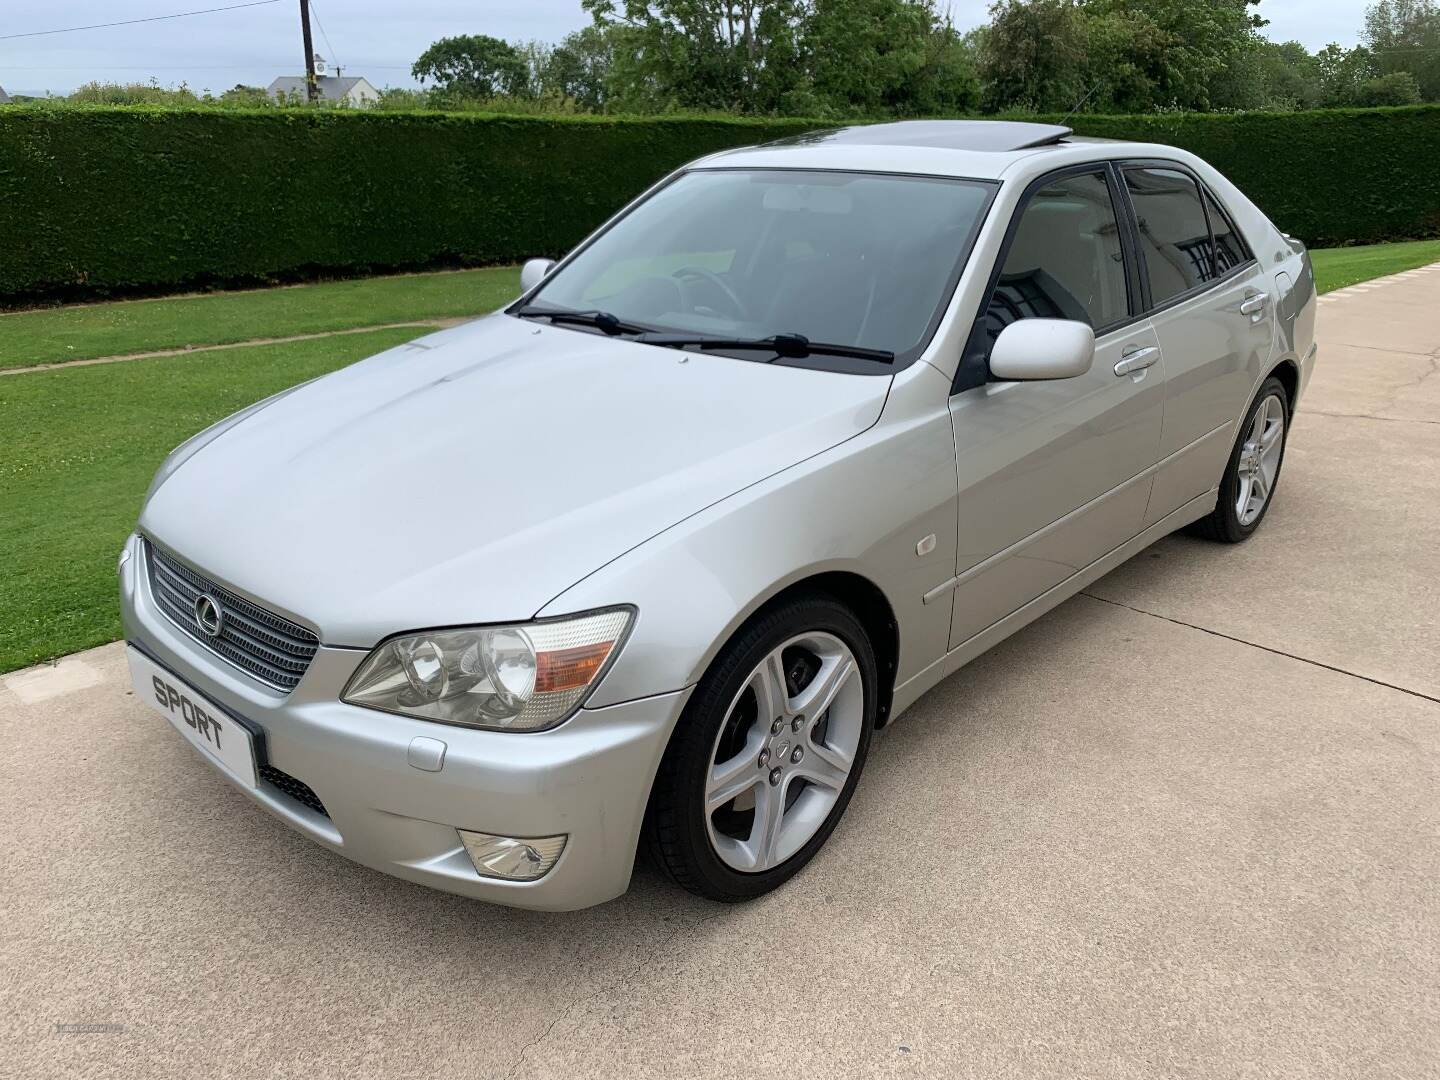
[908, 692]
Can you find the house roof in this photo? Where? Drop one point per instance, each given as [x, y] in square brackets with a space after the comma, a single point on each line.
[330, 87]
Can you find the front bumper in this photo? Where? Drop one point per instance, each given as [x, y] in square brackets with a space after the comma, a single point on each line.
[588, 779]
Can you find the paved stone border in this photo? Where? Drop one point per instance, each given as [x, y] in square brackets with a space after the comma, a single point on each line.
[1379, 283]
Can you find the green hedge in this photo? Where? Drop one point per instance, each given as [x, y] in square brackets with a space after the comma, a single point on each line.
[109, 200]
[133, 198]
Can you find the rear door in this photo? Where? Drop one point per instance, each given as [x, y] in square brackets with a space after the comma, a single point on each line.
[1050, 473]
[1210, 304]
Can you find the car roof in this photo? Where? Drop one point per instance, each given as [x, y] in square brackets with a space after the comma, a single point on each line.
[974, 149]
[989, 135]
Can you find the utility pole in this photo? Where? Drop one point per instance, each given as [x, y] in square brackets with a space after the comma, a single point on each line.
[311, 93]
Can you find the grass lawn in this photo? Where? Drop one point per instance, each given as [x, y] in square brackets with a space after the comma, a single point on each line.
[1336, 268]
[77, 450]
[84, 331]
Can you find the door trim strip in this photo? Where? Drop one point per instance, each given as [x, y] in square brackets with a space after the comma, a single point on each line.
[1039, 534]
[907, 692]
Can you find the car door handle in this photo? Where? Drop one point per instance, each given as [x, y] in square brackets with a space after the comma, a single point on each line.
[1137, 360]
[1255, 304]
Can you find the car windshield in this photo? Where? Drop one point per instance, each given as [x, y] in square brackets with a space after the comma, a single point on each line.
[860, 260]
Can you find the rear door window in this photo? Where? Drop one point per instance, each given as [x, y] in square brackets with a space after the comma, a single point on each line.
[1174, 232]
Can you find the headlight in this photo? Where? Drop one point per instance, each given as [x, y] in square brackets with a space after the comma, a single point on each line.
[506, 678]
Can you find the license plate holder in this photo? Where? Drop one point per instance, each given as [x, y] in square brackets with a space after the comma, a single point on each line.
[228, 742]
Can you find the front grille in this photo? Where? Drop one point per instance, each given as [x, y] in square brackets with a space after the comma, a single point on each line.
[274, 650]
[296, 789]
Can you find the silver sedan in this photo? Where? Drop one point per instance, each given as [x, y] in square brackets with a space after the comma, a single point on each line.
[643, 560]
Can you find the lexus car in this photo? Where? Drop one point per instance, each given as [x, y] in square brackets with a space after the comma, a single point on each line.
[638, 564]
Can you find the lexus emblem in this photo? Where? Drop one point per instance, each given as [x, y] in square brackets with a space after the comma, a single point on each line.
[209, 616]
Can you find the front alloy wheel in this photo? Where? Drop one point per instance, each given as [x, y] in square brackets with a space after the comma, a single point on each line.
[767, 754]
[783, 756]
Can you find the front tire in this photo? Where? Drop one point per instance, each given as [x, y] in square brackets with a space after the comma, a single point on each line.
[767, 753]
[1253, 470]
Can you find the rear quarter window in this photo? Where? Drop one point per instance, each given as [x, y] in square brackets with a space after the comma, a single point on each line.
[1230, 250]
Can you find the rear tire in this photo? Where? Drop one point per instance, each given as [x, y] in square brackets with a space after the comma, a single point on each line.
[766, 754]
[1253, 471]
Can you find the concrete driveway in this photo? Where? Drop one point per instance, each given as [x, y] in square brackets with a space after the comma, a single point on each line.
[1187, 824]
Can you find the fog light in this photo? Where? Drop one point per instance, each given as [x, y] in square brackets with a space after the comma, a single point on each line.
[512, 858]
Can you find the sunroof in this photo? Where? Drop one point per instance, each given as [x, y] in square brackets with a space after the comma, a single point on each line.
[992, 135]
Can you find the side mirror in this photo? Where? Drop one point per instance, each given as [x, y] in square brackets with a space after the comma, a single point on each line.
[1042, 349]
[533, 272]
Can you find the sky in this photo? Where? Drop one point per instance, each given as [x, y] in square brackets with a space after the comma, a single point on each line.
[379, 39]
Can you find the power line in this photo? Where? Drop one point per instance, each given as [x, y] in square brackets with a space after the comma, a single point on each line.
[132, 22]
[255, 65]
[142, 67]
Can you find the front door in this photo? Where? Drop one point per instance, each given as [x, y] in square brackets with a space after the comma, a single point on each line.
[1053, 475]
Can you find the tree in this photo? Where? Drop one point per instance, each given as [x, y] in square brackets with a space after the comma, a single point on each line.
[579, 68]
[1341, 74]
[948, 82]
[890, 57]
[1404, 36]
[1290, 76]
[1033, 56]
[1397, 88]
[474, 66]
[249, 97]
[1124, 49]
[1126, 55]
[1189, 47]
[873, 58]
[535, 55]
[1268, 75]
[699, 54]
[817, 57]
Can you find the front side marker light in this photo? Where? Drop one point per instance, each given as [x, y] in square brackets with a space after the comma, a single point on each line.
[512, 858]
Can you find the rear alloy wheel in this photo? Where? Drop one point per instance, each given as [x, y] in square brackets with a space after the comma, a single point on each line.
[767, 753]
[1253, 470]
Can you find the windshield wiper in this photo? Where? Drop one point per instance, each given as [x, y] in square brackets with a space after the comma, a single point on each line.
[601, 320]
[790, 346]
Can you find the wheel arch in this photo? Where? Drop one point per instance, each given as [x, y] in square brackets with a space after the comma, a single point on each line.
[1288, 372]
[867, 602]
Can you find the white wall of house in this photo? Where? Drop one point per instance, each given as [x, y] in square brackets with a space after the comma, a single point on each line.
[362, 93]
